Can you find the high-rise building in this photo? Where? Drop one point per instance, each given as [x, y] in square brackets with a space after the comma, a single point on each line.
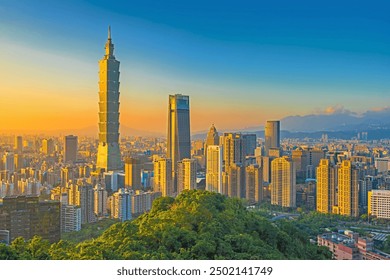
[235, 175]
[141, 202]
[272, 136]
[211, 139]
[70, 215]
[85, 199]
[133, 173]
[70, 149]
[326, 186]
[250, 143]
[348, 189]
[306, 161]
[186, 175]
[19, 162]
[18, 144]
[109, 157]
[379, 203]
[254, 184]
[233, 149]
[214, 169]
[82, 194]
[162, 180]
[382, 164]
[47, 146]
[26, 216]
[178, 142]
[9, 162]
[121, 205]
[100, 200]
[283, 184]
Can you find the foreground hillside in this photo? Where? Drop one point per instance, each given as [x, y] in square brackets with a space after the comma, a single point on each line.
[195, 225]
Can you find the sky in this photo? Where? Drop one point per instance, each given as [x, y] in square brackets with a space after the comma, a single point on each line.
[241, 62]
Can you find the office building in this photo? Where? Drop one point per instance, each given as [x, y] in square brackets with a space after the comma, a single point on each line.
[283, 184]
[70, 149]
[214, 169]
[250, 144]
[326, 186]
[382, 164]
[379, 204]
[109, 157]
[306, 161]
[272, 136]
[178, 140]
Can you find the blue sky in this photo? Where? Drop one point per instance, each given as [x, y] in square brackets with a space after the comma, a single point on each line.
[241, 62]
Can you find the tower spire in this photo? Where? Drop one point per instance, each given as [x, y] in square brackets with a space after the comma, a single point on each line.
[109, 45]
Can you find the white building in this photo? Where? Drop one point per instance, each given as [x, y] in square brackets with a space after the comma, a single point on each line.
[379, 203]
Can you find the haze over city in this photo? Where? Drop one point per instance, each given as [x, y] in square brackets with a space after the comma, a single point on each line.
[241, 63]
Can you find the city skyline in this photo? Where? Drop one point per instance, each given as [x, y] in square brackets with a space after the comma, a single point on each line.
[240, 65]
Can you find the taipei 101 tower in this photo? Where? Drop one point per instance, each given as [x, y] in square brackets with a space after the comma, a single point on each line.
[109, 157]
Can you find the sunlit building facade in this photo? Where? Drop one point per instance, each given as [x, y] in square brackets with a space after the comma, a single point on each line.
[109, 157]
[326, 196]
[283, 182]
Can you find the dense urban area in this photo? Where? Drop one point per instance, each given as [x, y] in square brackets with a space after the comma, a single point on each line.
[335, 192]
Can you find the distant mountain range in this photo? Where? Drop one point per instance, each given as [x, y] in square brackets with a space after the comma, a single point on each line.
[340, 124]
[343, 120]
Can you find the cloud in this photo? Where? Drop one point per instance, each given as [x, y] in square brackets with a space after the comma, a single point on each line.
[336, 109]
[379, 109]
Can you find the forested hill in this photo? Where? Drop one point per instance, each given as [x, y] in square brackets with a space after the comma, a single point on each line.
[195, 225]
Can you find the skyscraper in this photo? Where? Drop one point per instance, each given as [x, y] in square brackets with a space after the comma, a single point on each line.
[234, 165]
[47, 146]
[100, 200]
[179, 142]
[18, 144]
[326, 186]
[235, 174]
[133, 173]
[109, 157]
[233, 149]
[254, 183]
[70, 148]
[163, 176]
[272, 136]
[283, 186]
[348, 192]
[186, 175]
[212, 139]
[214, 169]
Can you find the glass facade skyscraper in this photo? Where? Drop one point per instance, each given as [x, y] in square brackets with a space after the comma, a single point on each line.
[179, 140]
